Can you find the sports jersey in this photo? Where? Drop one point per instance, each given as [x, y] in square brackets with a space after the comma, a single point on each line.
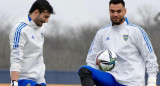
[134, 52]
[26, 44]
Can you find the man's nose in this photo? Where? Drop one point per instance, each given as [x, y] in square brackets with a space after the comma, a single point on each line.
[115, 14]
[46, 20]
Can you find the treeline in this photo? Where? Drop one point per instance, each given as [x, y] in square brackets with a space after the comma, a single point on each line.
[67, 50]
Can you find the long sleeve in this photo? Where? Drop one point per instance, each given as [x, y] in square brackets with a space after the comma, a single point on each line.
[17, 42]
[147, 52]
[95, 47]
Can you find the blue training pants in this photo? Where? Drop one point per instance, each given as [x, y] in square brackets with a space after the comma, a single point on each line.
[102, 78]
[25, 82]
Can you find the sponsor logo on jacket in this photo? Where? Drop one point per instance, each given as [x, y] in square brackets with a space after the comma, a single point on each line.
[42, 35]
[33, 37]
[107, 38]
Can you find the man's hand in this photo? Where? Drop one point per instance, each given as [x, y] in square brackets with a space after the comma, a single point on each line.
[14, 78]
[14, 83]
[151, 81]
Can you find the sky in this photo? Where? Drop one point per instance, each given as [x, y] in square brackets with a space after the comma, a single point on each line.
[77, 12]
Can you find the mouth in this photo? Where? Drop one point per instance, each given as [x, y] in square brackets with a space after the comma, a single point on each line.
[42, 22]
[115, 19]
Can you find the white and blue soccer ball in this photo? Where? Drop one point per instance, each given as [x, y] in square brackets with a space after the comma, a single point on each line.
[106, 60]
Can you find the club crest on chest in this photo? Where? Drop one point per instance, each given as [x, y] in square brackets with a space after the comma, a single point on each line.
[125, 37]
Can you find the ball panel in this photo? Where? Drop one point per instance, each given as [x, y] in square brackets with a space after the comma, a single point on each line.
[106, 60]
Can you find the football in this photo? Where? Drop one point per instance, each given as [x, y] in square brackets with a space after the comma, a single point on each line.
[106, 60]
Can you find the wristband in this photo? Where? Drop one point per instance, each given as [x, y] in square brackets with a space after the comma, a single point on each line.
[14, 83]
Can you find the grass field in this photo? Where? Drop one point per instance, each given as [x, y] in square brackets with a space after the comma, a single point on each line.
[47, 85]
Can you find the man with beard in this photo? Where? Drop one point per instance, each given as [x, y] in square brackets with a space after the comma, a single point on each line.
[26, 44]
[133, 48]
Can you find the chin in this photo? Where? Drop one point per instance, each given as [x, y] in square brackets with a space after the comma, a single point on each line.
[116, 23]
[39, 25]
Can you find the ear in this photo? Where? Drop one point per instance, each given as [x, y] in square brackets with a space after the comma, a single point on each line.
[36, 12]
[125, 10]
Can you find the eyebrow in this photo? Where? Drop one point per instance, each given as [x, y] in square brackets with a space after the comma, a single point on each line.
[115, 10]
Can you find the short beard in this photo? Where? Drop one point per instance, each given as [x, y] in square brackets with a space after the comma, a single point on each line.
[117, 23]
[37, 20]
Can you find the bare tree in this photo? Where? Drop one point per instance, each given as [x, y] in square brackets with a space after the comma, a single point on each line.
[147, 13]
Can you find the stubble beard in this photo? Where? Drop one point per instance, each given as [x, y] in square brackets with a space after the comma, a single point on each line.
[38, 21]
[117, 23]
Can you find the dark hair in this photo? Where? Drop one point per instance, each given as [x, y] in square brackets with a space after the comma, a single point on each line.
[117, 2]
[41, 5]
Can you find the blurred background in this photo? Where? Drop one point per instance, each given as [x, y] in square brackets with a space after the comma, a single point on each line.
[69, 32]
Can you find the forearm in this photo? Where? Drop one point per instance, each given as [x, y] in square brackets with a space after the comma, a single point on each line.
[14, 75]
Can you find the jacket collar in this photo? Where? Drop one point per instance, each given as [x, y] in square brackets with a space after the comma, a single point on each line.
[121, 25]
[29, 22]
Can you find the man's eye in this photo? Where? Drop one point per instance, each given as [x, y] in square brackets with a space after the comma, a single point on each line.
[111, 11]
[46, 17]
[119, 11]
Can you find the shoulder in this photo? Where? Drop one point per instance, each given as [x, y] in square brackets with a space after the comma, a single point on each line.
[19, 27]
[137, 31]
[105, 28]
[136, 28]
